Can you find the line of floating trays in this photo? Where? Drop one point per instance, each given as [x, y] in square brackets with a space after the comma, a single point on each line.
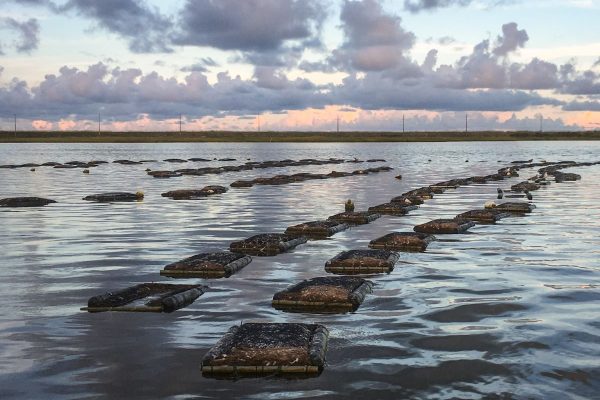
[255, 349]
[189, 194]
[273, 348]
[253, 165]
[246, 166]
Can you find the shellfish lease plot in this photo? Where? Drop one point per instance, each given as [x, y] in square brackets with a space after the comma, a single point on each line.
[461, 313]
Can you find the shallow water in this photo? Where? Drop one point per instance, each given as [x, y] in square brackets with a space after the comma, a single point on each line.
[507, 310]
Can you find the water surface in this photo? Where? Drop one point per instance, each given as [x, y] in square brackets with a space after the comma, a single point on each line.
[506, 310]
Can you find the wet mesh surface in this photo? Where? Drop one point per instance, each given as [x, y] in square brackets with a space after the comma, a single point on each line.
[264, 336]
[358, 254]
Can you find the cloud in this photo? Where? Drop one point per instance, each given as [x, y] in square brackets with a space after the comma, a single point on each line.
[377, 91]
[203, 65]
[582, 106]
[28, 33]
[144, 27]
[249, 25]
[124, 94]
[415, 6]
[374, 40]
[512, 39]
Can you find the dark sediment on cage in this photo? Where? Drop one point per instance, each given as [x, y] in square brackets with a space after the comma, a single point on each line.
[175, 160]
[255, 349]
[267, 244]
[485, 216]
[445, 226]
[392, 208]
[303, 176]
[114, 196]
[403, 241]
[193, 194]
[127, 162]
[25, 202]
[164, 174]
[525, 187]
[146, 297]
[207, 265]
[362, 262]
[512, 207]
[317, 229]
[324, 294]
[408, 200]
[355, 217]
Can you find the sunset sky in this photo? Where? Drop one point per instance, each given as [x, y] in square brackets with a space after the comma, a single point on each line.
[299, 65]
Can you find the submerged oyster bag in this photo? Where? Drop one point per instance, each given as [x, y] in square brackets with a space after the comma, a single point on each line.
[317, 229]
[445, 226]
[255, 349]
[406, 241]
[324, 294]
[192, 194]
[513, 207]
[362, 262]
[355, 217]
[25, 202]
[267, 244]
[146, 297]
[486, 216]
[207, 265]
[114, 196]
[392, 208]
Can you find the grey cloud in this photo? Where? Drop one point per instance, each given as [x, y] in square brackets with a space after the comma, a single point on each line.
[28, 33]
[582, 106]
[376, 91]
[374, 40]
[143, 26]
[415, 6]
[201, 66]
[250, 25]
[125, 93]
[512, 38]
[597, 63]
[537, 74]
[583, 83]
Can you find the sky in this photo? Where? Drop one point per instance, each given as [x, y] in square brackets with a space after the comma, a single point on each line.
[300, 64]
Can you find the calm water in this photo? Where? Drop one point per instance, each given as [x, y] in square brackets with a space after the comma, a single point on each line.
[507, 310]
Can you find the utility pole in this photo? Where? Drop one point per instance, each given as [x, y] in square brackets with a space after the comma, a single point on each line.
[402, 123]
[258, 123]
[180, 124]
[15, 117]
[541, 123]
[98, 124]
[338, 124]
[466, 122]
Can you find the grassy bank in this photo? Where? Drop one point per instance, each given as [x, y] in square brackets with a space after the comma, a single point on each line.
[220, 136]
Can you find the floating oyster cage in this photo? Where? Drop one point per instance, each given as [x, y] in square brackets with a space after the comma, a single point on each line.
[207, 265]
[164, 174]
[146, 297]
[355, 217]
[405, 241]
[392, 208]
[25, 202]
[362, 262]
[515, 207]
[566, 177]
[408, 200]
[525, 186]
[324, 295]
[192, 194]
[258, 349]
[317, 229]
[445, 226]
[114, 196]
[267, 244]
[486, 216]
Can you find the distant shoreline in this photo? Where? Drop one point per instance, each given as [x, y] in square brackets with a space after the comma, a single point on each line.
[283, 137]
